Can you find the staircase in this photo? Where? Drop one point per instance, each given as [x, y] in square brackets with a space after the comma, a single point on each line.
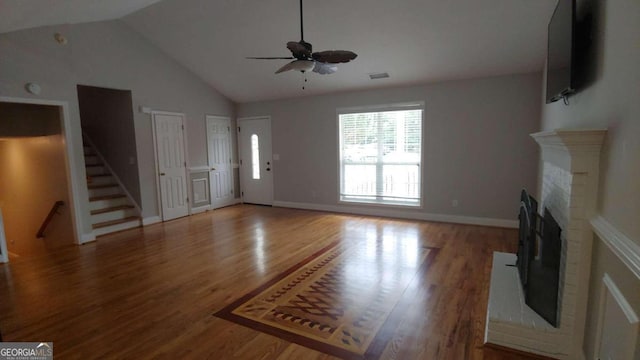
[111, 209]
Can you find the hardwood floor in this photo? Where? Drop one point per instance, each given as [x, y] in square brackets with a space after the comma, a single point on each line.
[152, 292]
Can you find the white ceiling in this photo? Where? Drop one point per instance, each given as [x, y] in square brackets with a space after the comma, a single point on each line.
[415, 41]
[24, 14]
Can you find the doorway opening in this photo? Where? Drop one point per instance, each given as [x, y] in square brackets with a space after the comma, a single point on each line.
[35, 174]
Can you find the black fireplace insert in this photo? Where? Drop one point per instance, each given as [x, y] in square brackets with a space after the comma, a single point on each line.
[539, 253]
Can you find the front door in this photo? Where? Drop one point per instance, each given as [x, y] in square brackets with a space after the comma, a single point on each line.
[219, 144]
[256, 165]
[172, 166]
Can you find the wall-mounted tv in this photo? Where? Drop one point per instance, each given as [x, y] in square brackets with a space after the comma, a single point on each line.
[561, 49]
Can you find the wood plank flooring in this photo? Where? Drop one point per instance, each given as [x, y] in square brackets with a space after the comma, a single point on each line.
[151, 292]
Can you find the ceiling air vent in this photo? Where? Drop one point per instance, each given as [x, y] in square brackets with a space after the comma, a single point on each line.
[375, 76]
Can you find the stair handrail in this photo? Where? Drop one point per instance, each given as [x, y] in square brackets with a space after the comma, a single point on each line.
[47, 220]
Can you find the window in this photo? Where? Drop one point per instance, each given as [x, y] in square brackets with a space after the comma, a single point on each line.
[255, 157]
[380, 156]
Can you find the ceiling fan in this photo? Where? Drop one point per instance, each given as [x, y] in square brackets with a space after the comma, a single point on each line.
[304, 59]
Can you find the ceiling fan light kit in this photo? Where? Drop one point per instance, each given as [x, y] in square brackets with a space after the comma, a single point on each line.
[300, 65]
[304, 59]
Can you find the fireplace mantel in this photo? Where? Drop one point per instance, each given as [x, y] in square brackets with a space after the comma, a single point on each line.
[570, 171]
[571, 149]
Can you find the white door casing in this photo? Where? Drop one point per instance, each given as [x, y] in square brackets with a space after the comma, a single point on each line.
[4, 255]
[256, 164]
[171, 164]
[219, 154]
[74, 171]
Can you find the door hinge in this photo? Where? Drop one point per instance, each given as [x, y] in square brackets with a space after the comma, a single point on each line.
[228, 129]
[242, 193]
[240, 161]
[238, 128]
[232, 191]
[182, 127]
[187, 199]
[185, 164]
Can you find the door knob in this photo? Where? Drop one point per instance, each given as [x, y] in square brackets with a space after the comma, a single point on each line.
[268, 169]
[213, 169]
[162, 174]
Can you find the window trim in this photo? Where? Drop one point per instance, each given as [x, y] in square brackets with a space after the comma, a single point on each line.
[412, 105]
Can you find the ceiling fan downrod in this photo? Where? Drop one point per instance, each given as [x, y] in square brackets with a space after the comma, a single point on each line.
[301, 21]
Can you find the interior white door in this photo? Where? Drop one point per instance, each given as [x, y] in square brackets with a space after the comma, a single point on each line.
[220, 170]
[172, 166]
[256, 165]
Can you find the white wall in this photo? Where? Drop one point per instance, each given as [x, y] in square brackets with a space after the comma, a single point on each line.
[109, 54]
[476, 139]
[612, 101]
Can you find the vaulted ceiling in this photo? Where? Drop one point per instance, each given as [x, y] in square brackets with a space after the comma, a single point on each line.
[415, 41]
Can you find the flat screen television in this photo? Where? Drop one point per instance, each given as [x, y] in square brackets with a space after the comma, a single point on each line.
[561, 49]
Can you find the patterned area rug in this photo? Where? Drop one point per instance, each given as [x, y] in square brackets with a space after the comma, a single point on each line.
[343, 301]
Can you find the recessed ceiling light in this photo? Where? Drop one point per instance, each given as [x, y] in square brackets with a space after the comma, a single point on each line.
[382, 75]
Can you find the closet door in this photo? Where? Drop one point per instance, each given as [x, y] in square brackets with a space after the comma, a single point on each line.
[220, 169]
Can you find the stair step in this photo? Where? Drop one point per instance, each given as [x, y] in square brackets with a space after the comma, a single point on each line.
[112, 213]
[110, 209]
[115, 222]
[101, 186]
[97, 170]
[92, 160]
[108, 203]
[100, 179]
[107, 197]
[104, 190]
[117, 228]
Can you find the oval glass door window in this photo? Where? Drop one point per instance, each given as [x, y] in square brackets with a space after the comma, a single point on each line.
[255, 157]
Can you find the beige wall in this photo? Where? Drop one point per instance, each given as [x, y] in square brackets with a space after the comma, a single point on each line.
[477, 148]
[32, 179]
[610, 100]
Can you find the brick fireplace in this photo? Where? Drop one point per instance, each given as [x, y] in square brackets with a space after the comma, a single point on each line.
[570, 160]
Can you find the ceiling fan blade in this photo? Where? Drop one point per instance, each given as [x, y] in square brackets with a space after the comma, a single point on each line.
[300, 65]
[301, 50]
[334, 56]
[271, 58]
[325, 68]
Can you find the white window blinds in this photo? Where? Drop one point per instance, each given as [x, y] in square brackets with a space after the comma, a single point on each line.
[380, 157]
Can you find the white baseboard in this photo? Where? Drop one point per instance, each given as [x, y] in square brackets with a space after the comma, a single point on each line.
[396, 213]
[88, 237]
[150, 220]
[622, 246]
[200, 209]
